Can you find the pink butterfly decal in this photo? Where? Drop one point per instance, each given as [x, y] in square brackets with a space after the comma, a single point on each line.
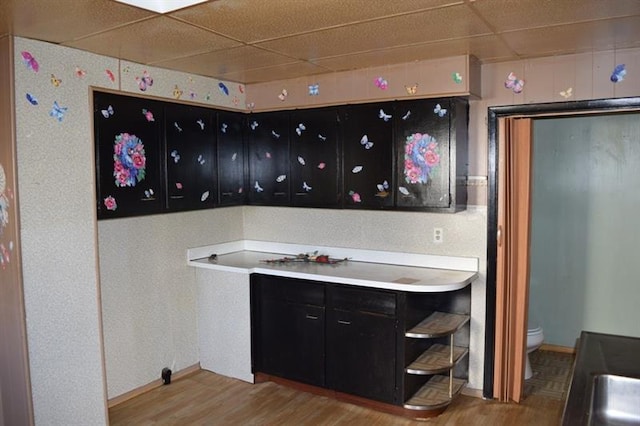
[148, 115]
[381, 83]
[145, 81]
[514, 83]
[110, 75]
[80, 73]
[30, 61]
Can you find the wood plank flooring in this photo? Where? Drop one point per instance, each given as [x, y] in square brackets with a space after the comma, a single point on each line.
[205, 398]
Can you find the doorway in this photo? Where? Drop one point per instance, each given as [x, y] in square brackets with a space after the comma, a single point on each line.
[497, 342]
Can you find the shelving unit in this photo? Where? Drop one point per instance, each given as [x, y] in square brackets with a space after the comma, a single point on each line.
[439, 390]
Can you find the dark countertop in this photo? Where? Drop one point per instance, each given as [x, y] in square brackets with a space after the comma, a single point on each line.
[598, 353]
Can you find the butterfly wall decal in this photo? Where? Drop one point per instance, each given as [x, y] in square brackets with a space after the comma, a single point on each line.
[32, 99]
[110, 75]
[364, 141]
[148, 115]
[177, 92]
[439, 110]
[253, 125]
[381, 83]
[80, 73]
[30, 61]
[55, 81]
[514, 83]
[306, 187]
[145, 81]
[223, 128]
[223, 89]
[281, 178]
[456, 77]
[314, 89]
[301, 161]
[200, 123]
[383, 189]
[567, 93]
[283, 95]
[257, 187]
[175, 156]
[201, 160]
[177, 126]
[383, 115]
[58, 112]
[275, 135]
[107, 112]
[322, 138]
[412, 90]
[148, 193]
[407, 115]
[618, 73]
[301, 127]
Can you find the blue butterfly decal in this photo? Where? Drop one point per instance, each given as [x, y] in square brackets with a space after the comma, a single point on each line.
[618, 73]
[32, 99]
[57, 111]
[223, 88]
[440, 111]
[314, 89]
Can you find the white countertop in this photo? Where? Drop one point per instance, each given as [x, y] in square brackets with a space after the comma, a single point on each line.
[392, 270]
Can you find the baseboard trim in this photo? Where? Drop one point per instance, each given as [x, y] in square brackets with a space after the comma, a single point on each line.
[476, 393]
[150, 386]
[557, 348]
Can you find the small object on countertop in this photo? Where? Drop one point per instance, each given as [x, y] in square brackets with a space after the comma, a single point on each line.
[213, 258]
[307, 258]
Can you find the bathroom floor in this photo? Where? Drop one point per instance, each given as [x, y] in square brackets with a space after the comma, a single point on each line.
[551, 374]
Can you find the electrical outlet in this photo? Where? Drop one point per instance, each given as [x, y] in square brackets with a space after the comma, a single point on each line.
[438, 235]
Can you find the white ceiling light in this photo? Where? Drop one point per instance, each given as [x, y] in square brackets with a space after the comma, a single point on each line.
[161, 6]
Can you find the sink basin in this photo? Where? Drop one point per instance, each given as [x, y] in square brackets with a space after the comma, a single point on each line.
[615, 400]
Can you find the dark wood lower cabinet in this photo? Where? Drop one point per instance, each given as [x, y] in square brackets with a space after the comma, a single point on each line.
[391, 348]
[361, 354]
[292, 341]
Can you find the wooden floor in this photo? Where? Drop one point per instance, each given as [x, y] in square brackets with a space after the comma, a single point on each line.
[205, 398]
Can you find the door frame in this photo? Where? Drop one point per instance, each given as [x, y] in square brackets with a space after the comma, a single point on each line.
[575, 108]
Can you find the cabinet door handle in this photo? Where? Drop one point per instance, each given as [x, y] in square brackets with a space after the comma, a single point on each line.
[312, 317]
[344, 322]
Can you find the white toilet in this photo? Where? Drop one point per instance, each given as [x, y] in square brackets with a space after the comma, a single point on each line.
[534, 341]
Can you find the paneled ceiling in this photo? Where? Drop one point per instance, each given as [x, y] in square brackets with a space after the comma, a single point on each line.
[251, 41]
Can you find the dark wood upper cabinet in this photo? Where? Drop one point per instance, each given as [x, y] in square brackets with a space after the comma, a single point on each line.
[268, 151]
[367, 132]
[190, 157]
[154, 156]
[315, 157]
[231, 158]
[129, 155]
[430, 139]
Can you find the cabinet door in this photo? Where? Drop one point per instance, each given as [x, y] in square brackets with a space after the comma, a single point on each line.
[128, 135]
[231, 158]
[368, 156]
[315, 168]
[422, 141]
[292, 341]
[268, 145]
[361, 354]
[191, 172]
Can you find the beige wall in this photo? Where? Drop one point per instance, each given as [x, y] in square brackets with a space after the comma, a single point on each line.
[15, 392]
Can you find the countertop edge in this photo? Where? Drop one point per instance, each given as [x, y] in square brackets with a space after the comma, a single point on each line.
[468, 277]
